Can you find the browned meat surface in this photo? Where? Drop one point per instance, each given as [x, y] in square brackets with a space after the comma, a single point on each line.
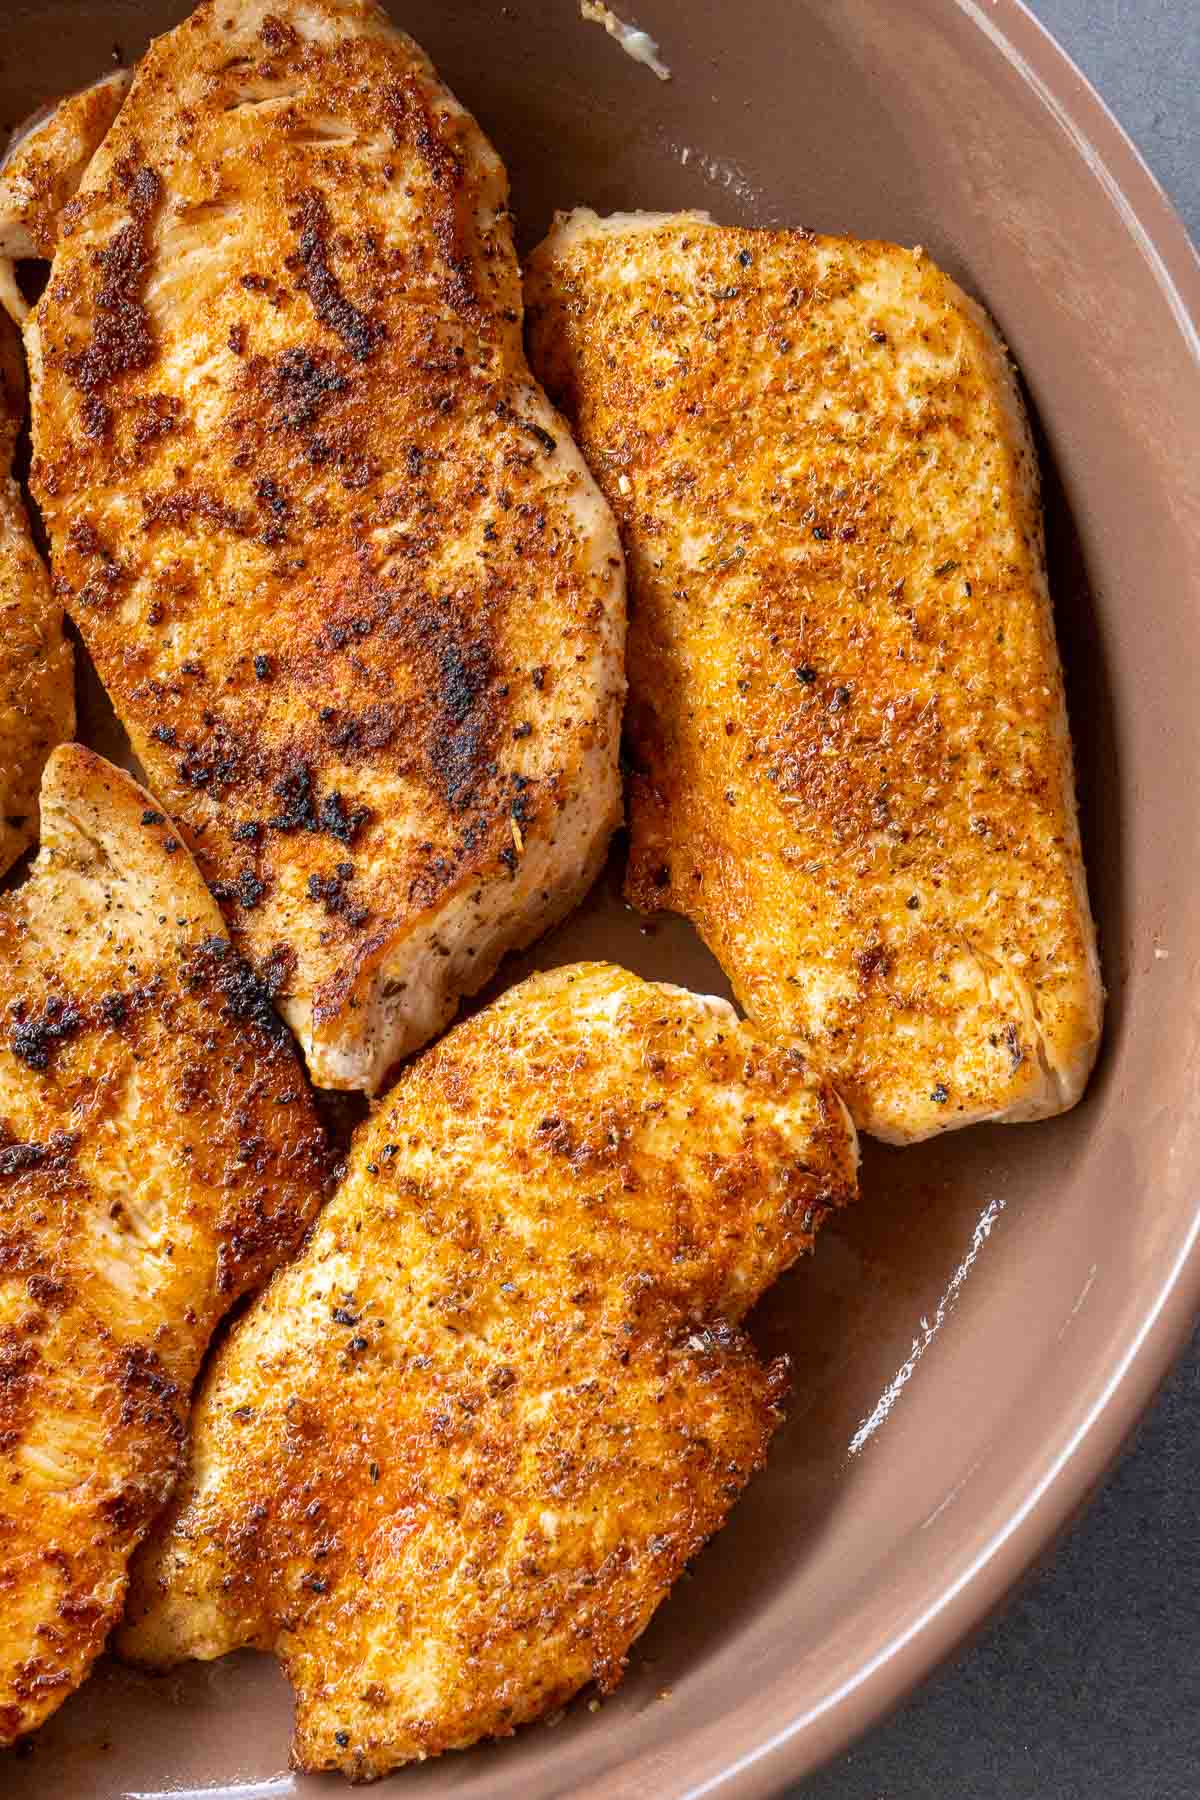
[344, 574]
[450, 1463]
[158, 1157]
[852, 768]
[37, 677]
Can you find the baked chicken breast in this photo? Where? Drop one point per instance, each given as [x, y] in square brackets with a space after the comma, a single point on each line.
[449, 1464]
[37, 674]
[852, 768]
[42, 168]
[345, 576]
[159, 1155]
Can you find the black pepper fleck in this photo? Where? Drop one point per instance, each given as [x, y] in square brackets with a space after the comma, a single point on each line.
[549, 444]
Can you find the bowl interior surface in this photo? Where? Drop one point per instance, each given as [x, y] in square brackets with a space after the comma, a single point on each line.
[970, 1345]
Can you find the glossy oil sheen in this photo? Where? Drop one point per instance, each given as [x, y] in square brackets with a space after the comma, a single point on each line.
[970, 1346]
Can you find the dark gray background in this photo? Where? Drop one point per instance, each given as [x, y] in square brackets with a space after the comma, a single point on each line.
[1088, 1687]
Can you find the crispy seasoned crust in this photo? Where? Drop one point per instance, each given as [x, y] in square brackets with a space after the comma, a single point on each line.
[344, 574]
[852, 764]
[159, 1155]
[37, 678]
[450, 1463]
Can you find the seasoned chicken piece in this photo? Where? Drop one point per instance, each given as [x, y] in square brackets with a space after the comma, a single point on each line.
[37, 676]
[450, 1463]
[852, 765]
[341, 568]
[159, 1155]
[42, 168]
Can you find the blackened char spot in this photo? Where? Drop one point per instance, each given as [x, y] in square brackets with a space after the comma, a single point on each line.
[300, 385]
[216, 965]
[372, 729]
[463, 678]
[35, 1039]
[412, 125]
[215, 762]
[301, 810]
[457, 758]
[247, 891]
[340, 821]
[360, 334]
[294, 789]
[121, 336]
[459, 732]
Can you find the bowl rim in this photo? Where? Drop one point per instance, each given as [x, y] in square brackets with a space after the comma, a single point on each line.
[810, 1738]
[800, 1739]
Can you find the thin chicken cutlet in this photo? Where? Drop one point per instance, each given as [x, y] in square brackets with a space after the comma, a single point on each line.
[450, 1463]
[348, 581]
[37, 673]
[852, 768]
[43, 166]
[159, 1155]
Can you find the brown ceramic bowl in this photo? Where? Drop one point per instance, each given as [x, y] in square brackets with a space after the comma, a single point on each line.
[972, 1346]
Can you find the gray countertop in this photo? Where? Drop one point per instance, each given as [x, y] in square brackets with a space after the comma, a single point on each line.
[1088, 1686]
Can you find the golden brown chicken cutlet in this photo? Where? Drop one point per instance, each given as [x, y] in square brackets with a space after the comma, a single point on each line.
[42, 168]
[450, 1463]
[851, 762]
[159, 1155]
[37, 673]
[345, 576]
